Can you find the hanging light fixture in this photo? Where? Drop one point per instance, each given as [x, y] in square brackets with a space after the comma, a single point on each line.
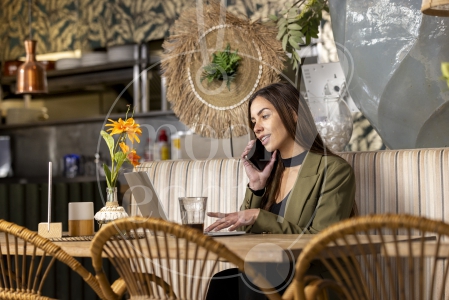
[438, 8]
[31, 75]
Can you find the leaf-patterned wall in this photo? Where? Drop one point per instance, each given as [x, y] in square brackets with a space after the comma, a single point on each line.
[62, 25]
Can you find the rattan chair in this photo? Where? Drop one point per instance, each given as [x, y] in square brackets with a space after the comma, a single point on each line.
[163, 260]
[23, 276]
[414, 268]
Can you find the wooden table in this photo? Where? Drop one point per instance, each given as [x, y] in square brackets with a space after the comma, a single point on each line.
[428, 249]
[262, 248]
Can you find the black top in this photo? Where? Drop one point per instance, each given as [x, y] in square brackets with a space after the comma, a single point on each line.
[279, 208]
[295, 160]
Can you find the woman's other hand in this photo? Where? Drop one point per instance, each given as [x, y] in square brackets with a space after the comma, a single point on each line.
[233, 220]
[257, 178]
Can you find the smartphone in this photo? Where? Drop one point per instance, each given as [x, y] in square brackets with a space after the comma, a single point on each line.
[259, 156]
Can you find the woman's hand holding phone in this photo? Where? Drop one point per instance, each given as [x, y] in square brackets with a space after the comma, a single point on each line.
[257, 178]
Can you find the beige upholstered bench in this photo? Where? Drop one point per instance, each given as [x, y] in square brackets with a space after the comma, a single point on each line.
[394, 181]
[223, 181]
[402, 181]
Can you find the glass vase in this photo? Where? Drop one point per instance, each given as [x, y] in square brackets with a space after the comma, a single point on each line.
[111, 211]
[333, 120]
[111, 195]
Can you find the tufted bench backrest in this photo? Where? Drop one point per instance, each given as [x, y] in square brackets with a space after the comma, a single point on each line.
[394, 181]
[223, 181]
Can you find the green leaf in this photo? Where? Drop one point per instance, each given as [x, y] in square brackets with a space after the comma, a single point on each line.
[228, 84]
[109, 141]
[107, 173]
[284, 42]
[223, 62]
[120, 158]
[296, 33]
[273, 18]
[292, 13]
[283, 12]
[282, 22]
[281, 33]
[293, 43]
[294, 27]
[233, 59]
[296, 56]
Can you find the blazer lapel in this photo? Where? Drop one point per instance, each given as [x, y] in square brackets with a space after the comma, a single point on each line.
[305, 182]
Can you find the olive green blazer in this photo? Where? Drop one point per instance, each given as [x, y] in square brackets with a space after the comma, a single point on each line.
[323, 194]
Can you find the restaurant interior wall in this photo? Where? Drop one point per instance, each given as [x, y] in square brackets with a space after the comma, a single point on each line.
[90, 24]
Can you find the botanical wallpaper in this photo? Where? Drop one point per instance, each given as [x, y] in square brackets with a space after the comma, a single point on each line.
[62, 25]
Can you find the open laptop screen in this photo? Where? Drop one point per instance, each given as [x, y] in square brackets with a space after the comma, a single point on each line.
[145, 195]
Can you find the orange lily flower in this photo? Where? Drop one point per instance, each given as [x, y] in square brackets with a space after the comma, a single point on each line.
[129, 126]
[133, 158]
[124, 147]
[117, 127]
[130, 155]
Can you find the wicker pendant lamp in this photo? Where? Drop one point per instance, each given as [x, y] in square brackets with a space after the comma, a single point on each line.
[211, 108]
[438, 8]
[31, 75]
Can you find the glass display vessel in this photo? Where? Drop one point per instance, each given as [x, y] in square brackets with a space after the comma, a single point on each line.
[333, 120]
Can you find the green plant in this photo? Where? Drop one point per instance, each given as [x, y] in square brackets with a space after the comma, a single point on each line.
[223, 62]
[298, 24]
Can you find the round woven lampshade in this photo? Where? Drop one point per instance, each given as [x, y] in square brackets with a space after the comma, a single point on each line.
[438, 8]
[210, 109]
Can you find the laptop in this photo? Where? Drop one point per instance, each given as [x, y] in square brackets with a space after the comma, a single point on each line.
[149, 202]
[145, 195]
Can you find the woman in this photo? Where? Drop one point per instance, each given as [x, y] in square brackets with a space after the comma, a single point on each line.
[304, 188]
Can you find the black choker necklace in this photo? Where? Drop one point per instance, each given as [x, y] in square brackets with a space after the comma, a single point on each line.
[295, 160]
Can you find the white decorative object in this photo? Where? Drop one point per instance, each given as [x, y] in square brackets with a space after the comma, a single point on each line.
[111, 211]
[333, 120]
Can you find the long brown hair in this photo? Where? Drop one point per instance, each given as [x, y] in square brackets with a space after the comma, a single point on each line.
[296, 117]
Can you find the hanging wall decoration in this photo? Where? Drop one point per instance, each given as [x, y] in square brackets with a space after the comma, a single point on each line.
[213, 62]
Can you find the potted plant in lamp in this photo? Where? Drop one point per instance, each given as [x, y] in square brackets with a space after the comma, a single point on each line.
[223, 66]
[120, 152]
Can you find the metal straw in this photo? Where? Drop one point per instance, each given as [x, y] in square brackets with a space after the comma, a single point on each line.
[49, 195]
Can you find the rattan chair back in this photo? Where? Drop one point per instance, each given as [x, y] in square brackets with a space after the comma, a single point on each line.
[163, 260]
[24, 267]
[414, 268]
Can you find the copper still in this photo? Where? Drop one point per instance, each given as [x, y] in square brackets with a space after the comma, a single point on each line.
[31, 75]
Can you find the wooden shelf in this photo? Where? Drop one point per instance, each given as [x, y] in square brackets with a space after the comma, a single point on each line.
[69, 80]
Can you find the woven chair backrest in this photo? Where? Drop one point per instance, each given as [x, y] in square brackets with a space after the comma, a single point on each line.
[395, 269]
